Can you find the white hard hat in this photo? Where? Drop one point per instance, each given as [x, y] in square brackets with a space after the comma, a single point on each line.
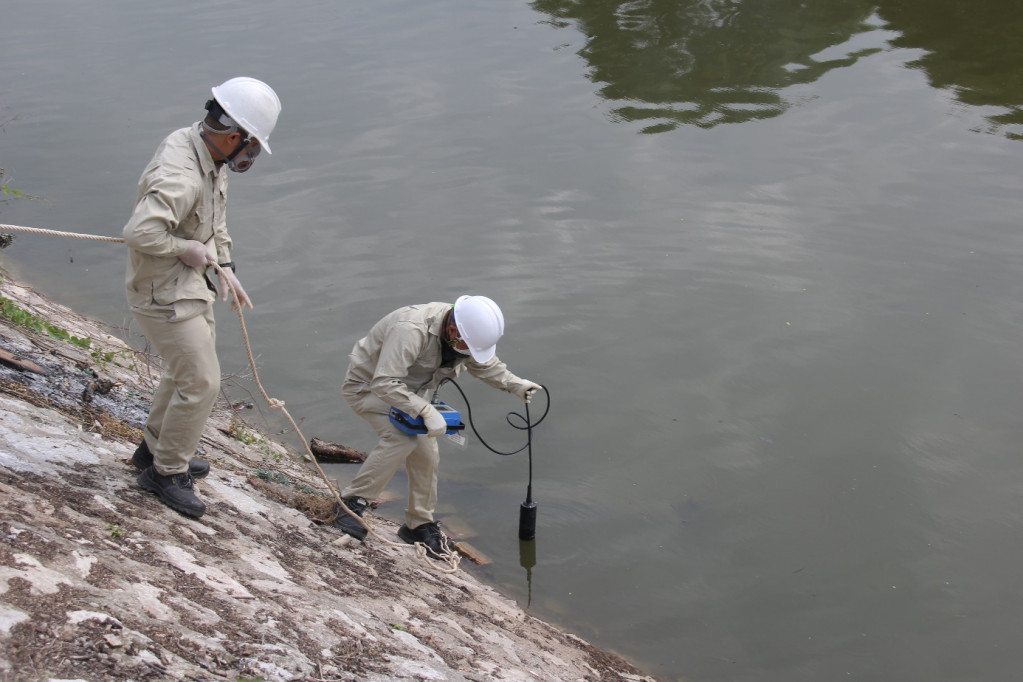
[252, 104]
[480, 323]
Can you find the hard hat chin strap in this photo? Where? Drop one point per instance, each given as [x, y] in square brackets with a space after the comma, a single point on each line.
[225, 120]
[217, 113]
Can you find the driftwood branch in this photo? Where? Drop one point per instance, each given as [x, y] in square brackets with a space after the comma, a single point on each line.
[326, 451]
[12, 360]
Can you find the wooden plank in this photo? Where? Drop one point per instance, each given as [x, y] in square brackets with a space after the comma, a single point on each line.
[469, 552]
[14, 361]
[457, 528]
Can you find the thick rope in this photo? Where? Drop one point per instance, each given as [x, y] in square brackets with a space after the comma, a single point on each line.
[58, 233]
[452, 559]
[448, 556]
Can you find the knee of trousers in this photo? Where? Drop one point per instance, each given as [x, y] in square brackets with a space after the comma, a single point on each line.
[201, 387]
[397, 442]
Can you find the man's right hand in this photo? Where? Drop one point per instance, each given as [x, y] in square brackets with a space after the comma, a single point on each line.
[195, 255]
[435, 424]
[228, 283]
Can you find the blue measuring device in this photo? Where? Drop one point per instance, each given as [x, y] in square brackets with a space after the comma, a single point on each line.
[414, 425]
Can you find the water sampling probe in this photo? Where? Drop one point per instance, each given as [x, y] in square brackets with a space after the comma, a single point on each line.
[415, 425]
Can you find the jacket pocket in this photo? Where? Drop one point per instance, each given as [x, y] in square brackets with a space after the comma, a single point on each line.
[182, 283]
[202, 228]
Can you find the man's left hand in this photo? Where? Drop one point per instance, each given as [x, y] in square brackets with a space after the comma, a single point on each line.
[229, 280]
[526, 389]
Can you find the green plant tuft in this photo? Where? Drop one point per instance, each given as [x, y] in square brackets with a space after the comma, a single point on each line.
[16, 314]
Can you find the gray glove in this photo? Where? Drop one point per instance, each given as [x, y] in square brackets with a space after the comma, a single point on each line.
[196, 254]
[435, 424]
[526, 390]
[228, 280]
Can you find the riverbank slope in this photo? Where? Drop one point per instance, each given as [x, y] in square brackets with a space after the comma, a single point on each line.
[100, 581]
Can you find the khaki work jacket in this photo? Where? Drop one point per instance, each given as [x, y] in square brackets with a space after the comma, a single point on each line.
[182, 195]
[399, 360]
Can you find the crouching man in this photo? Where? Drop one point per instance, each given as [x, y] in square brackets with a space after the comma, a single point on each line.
[404, 357]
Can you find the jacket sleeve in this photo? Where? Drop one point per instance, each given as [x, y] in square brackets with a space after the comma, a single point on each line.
[399, 351]
[157, 213]
[494, 373]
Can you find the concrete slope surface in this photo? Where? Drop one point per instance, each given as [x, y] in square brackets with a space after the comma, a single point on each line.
[100, 581]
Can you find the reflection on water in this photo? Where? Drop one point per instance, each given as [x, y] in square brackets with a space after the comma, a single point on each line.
[527, 560]
[707, 62]
[972, 49]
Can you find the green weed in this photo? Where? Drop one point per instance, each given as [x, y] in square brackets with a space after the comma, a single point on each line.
[11, 311]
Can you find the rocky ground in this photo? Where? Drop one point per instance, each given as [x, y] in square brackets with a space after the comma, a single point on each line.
[100, 581]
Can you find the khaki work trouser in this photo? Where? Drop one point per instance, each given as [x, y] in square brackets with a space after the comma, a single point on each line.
[186, 394]
[419, 453]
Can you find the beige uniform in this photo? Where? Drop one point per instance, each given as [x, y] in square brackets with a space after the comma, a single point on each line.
[397, 364]
[182, 195]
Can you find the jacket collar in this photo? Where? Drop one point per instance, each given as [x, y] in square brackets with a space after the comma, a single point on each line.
[436, 326]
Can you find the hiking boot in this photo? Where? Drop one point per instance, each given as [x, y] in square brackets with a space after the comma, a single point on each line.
[143, 459]
[346, 522]
[430, 535]
[175, 491]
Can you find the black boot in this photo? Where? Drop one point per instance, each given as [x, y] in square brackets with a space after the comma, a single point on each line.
[430, 535]
[143, 459]
[348, 523]
[175, 491]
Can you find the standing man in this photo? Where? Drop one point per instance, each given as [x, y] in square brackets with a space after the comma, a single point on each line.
[177, 230]
[405, 356]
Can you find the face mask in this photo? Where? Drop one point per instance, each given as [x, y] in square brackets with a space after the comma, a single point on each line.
[242, 159]
[457, 339]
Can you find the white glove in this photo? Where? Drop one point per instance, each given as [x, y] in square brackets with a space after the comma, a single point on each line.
[435, 424]
[196, 255]
[227, 280]
[526, 390]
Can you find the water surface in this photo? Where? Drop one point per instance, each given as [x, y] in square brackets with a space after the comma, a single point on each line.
[764, 255]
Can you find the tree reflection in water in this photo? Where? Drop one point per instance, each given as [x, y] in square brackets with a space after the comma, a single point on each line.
[706, 62]
[972, 49]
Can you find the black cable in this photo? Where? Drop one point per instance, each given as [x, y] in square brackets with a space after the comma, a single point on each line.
[529, 442]
[527, 510]
[528, 427]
